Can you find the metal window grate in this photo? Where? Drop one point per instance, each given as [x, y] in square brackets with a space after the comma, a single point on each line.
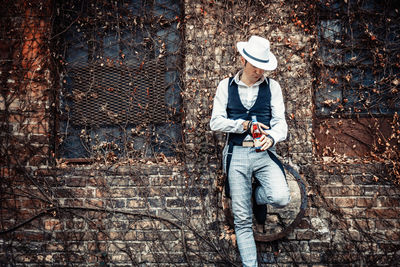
[105, 94]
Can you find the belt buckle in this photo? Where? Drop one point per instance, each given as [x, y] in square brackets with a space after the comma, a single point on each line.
[248, 143]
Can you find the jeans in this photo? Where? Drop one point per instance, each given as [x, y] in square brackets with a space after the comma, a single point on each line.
[274, 190]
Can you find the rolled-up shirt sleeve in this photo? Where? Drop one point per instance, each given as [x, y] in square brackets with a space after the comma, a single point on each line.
[279, 128]
[219, 117]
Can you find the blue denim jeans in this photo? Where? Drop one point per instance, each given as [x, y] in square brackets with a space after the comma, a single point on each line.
[274, 190]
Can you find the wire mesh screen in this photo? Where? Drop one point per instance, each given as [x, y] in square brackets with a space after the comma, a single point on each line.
[120, 66]
[112, 94]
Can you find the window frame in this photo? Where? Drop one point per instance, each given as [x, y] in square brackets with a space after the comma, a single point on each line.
[172, 91]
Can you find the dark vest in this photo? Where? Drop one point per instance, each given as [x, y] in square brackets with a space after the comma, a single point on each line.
[236, 110]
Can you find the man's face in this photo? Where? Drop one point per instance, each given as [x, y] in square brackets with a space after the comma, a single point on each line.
[252, 73]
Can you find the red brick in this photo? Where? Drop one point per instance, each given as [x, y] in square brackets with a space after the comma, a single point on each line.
[53, 225]
[37, 160]
[384, 224]
[392, 235]
[74, 202]
[74, 224]
[365, 202]
[307, 235]
[388, 202]
[32, 203]
[343, 190]
[136, 203]
[345, 202]
[29, 236]
[304, 224]
[95, 203]
[382, 213]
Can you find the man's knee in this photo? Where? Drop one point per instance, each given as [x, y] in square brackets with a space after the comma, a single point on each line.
[280, 200]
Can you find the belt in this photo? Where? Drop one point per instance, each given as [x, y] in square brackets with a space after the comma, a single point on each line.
[248, 143]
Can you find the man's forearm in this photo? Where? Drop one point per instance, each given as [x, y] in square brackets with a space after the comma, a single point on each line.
[227, 125]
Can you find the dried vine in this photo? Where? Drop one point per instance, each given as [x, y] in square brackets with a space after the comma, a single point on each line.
[149, 192]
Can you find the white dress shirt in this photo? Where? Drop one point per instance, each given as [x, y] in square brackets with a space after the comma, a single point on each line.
[248, 95]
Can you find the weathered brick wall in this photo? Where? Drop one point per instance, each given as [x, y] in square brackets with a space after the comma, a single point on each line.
[26, 85]
[169, 213]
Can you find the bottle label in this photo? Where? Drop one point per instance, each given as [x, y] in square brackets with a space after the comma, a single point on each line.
[257, 143]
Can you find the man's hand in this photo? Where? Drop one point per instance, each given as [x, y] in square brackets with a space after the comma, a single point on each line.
[246, 125]
[266, 142]
[262, 128]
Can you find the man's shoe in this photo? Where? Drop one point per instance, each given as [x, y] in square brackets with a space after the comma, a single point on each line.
[260, 211]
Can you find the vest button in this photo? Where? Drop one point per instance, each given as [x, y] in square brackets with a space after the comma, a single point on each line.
[247, 112]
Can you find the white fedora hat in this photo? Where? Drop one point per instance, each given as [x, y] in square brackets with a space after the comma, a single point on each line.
[257, 52]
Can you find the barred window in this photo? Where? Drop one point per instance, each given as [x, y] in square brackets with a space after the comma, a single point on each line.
[359, 54]
[120, 77]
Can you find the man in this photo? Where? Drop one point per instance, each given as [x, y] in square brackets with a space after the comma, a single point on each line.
[237, 99]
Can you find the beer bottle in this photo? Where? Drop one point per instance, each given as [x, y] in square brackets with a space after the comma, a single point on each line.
[256, 134]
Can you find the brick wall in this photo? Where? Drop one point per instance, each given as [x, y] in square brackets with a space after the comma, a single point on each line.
[169, 213]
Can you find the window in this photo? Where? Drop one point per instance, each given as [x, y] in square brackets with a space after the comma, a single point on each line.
[357, 70]
[358, 53]
[120, 77]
